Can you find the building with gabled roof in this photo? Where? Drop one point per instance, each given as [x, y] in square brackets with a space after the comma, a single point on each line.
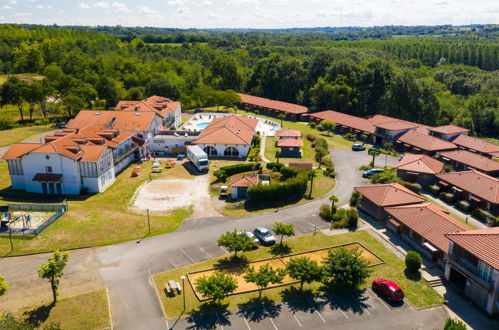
[463, 160]
[374, 198]
[415, 142]
[345, 123]
[272, 107]
[424, 226]
[448, 132]
[289, 134]
[239, 185]
[473, 266]
[418, 168]
[228, 136]
[167, 109]
[473, 144]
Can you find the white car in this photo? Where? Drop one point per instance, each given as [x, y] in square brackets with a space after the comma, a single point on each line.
[255, 240]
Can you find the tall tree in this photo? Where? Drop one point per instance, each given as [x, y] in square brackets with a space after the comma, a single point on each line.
[283, 229]
[216, 286]
[235, 241]
[304, 270]
[53, 271]
[163, 87]
[344, 267]
[264, 276]
[226, 73]
[12, 92]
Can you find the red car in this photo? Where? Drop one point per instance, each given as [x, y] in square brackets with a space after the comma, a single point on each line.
[390, 290]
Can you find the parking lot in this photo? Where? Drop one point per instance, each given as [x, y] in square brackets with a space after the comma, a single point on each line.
[358, 310]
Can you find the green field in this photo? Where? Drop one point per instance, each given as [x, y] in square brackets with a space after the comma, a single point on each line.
[14, 135]
[416, 289]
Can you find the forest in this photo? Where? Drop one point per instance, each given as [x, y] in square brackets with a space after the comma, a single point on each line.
[432, 75]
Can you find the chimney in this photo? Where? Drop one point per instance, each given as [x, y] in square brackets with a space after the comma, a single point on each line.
[137, 108]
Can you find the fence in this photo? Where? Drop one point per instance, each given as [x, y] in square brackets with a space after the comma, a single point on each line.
[59, 208]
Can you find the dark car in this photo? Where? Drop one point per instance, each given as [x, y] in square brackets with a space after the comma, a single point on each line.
[371, 172]
[358, 147]
[264, 235]
[374, 149]
[388, 289]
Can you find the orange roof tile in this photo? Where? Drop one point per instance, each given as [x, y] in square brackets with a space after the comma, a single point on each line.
[425, 142]
[344, 119]
[475, 182]
[229, 130]
[396, 125]
[389, 194]
[273, 104]
[122, 120]
[290, 143]
[379, 119]
[472, 159]
[420, 163]
[289, 133]
[243, 180]
[304, 165]
[479, 145]
[428, 220]
[483, 243]
[17, 150]
[449, 129]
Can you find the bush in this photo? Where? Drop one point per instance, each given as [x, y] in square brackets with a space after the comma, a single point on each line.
[448, 197]
[273, 166]
[313, 124]
[354, 198]
[385, 177]
[349, 137]
[43, 121]
[321, 142]
[325, 212]
[464, 205]
[365, 167]
[413, 261]
[484, 215]
[340, 219]
[434, 189]
[353, 218]
[6, 122]
[254, 154]
[240, 168]
[329, 171]
[416, 187]
[290, 188]
[452, 324]
[311, 137]
[288, 172]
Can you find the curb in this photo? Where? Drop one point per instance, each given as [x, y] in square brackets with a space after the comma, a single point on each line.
[43, 252]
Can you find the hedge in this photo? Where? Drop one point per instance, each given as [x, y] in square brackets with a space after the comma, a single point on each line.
[484, 215]
[434, 189]
[288, 172]
[279, 190]
[448, 197]
[416, 187]
[275, 166]
[464, 205]
[240, 168]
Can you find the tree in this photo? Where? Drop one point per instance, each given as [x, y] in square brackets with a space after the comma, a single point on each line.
[454, 324]
[311, 175]
[235, 241]
[226, 73]
[304, 270]
[277, 153]
[3, 286]
[162, 87]
[9, 322]
[281, 116]
[108, 90]
[12, 92]
[345, 268]
[216, 286]
[374, 153]
[333, 199]
[363, 137]
[320, 153]
[328, 125]
[54, 270]
[264, 276]
[73, 103]
[283, 229]
[413, 261]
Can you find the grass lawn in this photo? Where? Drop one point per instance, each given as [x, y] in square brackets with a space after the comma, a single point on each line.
[491, 140]
[98, 219]
[308, 153]
[86, 311]
[417, 291]
[10, 136]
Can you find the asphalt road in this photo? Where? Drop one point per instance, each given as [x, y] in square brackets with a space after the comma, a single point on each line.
[126, 268]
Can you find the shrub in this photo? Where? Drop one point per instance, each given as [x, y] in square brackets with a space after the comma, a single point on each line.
[256, 140]
[311, 137]
[313, 124]
[329, 171]
[321, 142]
[365, 167]
[254, 154]
[413, 261]
[274, 166]
[448, 197]
[454, 324]
[325, 212]
[288, 172]
[353, 218]
[220, 174]
[328, 162]
[434, 189]
[240, 168]
[354, 198]
[6, 122]
[340, 219]
[464, 205]
[349, 137]
[385, 177]
[43, 121]
[484, 215]
[416, 187]
[293, 187]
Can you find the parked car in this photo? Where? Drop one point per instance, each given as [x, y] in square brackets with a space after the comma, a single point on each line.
[256, 241]
[371, 172]
[264, 235]
[224, 191]
[373, 149]
[388, 289]
[156, 167]
[358, 147]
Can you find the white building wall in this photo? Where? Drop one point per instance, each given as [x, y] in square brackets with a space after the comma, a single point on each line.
[123, 164]
[165, 143]
[243, 149]
[18, 182]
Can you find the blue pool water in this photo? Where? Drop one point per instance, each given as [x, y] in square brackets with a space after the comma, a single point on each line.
[202, 125]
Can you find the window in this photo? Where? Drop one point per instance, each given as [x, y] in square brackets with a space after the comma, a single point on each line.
[484, 271]
[48, 169]
[231, 152]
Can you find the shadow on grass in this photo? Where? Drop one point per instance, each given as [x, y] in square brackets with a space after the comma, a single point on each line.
[345, 299]
[259, 308]
[39, 315]
[235, 265]
[280, 249]
[210, 315]
[413, 276]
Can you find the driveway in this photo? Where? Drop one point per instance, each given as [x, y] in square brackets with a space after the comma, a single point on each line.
[357, 310]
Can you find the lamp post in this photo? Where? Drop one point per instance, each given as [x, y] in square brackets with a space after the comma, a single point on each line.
[183, 288]
[148, 221]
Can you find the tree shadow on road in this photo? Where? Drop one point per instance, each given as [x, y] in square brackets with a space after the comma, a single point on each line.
[210, 315]
[353, 300]
[257, 309]
[297, 300]
[39, 315]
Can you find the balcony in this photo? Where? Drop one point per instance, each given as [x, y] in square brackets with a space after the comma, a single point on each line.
[124, 155]
[469, 271]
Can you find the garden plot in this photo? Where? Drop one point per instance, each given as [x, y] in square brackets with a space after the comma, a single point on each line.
[166, 195]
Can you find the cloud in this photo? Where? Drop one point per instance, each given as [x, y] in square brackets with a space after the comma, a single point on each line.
[23, 15]
[176, 2]
[83, 5]
[5, 7]
[183, 11]
[120, 6]
[102, 4]
[147, 10]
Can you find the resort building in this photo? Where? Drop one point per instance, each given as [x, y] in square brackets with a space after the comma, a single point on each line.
[70, 162]
[424, 227]
[345, 123]
[419, 168]
[290, 147]
[374, 198]
[419, 143]
[272, 107]
[473, 266]
[228, 136]
[168, 110]
[463, 160]
[447, 132]
[476, 145]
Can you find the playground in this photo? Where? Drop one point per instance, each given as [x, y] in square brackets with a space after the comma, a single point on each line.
[28, 219]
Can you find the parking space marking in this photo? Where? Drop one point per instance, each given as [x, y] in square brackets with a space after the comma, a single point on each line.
[245, 321]
[227, 252]
[342, 312]
[218, 318]
[315, 309]
[202, 249]
[174, 266]
[381, 300]
[293, 313]
[270, 319]
[186, 255]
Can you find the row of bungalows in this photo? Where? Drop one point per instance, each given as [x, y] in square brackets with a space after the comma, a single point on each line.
[274, 108]
[470, 257]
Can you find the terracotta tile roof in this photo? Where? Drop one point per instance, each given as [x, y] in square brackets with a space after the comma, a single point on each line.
[449, 129]
[273, 104]
[479, 145]
[482, 243]
[17, 150]
[158, 104]
[289, 133]
[339, 118]
[122, 120]
[290, 143]
[389, 194]
[475, 182]
[425, 142]
[420, 163]
[229, 130]
[92, 153]
[472, 159]
[243, 180]
[305, 165]
[125, 104]
[396, 125]
[428, 220]
[379, 119]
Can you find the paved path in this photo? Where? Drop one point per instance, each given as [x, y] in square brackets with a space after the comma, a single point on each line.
[358, 310]
[262, 149]
[32, 139]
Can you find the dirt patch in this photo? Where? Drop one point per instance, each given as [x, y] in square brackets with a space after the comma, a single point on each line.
[36, 218]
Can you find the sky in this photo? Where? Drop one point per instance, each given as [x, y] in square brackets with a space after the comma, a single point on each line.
[249, 13]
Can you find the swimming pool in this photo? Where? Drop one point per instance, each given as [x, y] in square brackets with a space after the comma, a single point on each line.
[202, 125]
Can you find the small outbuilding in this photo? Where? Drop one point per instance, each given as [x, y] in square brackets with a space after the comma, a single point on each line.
[239, 185]
[290, 147]
[419, 168]
[289, 134]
